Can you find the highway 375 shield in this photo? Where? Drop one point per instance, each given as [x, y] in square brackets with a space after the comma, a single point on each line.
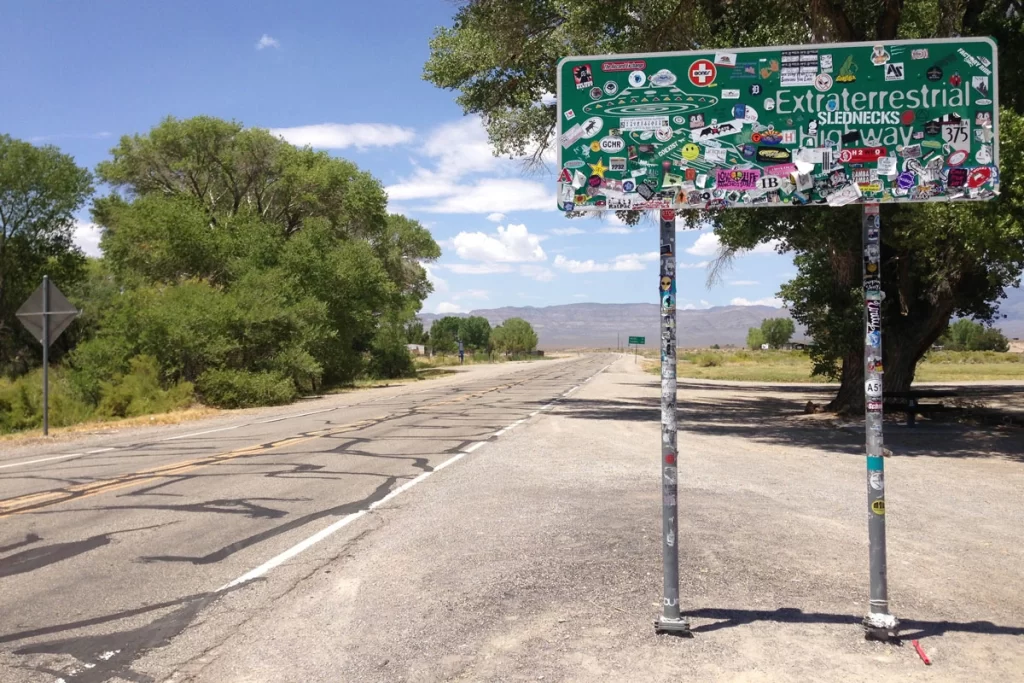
[901, 121]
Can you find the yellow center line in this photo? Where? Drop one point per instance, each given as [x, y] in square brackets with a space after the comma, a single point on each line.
[34, 501]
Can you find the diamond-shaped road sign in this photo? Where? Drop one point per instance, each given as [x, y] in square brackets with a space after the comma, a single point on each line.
[60, 312]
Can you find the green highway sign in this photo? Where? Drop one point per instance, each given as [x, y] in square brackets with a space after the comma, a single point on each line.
[638, 340]
[835, 124]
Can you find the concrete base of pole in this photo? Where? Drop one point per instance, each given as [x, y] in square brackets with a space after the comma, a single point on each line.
[675, 627]
[881, 626]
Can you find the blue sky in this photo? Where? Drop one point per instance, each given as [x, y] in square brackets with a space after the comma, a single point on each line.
[345, 77]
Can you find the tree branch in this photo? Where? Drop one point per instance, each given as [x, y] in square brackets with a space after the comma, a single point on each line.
[889, 19]
[833, 11]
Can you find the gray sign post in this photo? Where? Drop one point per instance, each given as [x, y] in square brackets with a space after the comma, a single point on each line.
[46, 325]
[879, 623]
[670, 621]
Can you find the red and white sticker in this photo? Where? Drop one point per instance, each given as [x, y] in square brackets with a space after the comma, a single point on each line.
[861, 155]
[702, 73]
[668, 215]
[956, 158]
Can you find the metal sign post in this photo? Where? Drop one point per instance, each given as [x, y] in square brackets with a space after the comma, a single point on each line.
[879, 623]
[670, 621]
[46, 325]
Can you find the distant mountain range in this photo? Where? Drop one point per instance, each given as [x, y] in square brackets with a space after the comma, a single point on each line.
[605, 325]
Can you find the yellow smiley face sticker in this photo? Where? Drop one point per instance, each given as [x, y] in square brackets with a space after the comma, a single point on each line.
[690, 151]
[595, 146]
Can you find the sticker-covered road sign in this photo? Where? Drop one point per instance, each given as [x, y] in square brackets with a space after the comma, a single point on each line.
[638, 340]
[836, 124]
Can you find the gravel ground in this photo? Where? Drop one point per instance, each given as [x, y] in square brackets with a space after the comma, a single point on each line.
[538, 557]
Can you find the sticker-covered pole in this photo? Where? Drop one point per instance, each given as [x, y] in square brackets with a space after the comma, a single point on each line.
[879, 623]
[46, 355]
[670, 621]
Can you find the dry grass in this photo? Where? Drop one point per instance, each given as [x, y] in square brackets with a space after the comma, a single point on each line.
[196, 412]
[795, 366]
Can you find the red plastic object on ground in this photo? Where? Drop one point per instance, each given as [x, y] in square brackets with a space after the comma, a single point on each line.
[920, 652]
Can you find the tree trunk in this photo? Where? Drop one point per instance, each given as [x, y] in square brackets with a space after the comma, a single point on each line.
[850, 398]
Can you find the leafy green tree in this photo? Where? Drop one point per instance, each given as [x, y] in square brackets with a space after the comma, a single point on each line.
[966, 335]
[444, 334]
[40, 190]
[514, 336]
[937, 260]
[475, 332]
[777, 331]
[414, 332]
[294, 248]
[755, 337]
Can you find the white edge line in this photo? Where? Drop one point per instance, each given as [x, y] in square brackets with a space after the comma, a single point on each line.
[208, 431]
[32, 462]
[302, 546]
[289, 417]
[99, 450]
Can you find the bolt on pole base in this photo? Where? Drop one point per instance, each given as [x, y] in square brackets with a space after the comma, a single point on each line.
[674, 627]
[883, 627]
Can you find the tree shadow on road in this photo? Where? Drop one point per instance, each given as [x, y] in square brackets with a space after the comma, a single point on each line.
[780, 419]
[909, 628]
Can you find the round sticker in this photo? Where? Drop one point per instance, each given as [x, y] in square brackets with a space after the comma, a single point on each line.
[678, 120]
[906, 180]
[637, 79]
[690, 151]
[956, 158]
[873, 388]
[755, 89]
[979, 177]
[628, 185]
[595, 93]
[664, 134]
[878, 506]
[702, 73]
[592, 127]
[611, 87]
[908, 117]
[595, 146]
[769, 104]
[984, 155]
[823, 82]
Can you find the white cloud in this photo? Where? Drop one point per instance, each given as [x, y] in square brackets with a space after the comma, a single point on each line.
[699, 264]
[511, 245]
[707, 244]
[767, 301]
[538, 273]
[565, 232]
[549, 99]
[496, 217]
[465, 176]
[440, 285]
[267, 41]
[496, 194]
[87, 238]
[743, 283]
[766, 247]
[579, 296]
[344, 135]
[623, 262]
[616, 230]
[477, 268]
[449, 307]
[470, 294]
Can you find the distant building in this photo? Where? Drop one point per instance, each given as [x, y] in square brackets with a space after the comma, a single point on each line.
[416, 349]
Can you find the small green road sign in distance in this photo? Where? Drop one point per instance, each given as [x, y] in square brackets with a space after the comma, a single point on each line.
[838, 124]
[638, 340]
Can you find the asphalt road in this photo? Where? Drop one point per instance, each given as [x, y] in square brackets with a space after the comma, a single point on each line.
[114, 545]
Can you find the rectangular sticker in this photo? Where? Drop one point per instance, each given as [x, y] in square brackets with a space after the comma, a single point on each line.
[643, 122]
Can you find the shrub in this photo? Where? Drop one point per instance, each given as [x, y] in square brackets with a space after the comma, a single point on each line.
[708, 360]
[139, 392]
[241, 389]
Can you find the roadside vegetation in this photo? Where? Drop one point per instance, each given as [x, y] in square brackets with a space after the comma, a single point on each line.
[237, 270]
